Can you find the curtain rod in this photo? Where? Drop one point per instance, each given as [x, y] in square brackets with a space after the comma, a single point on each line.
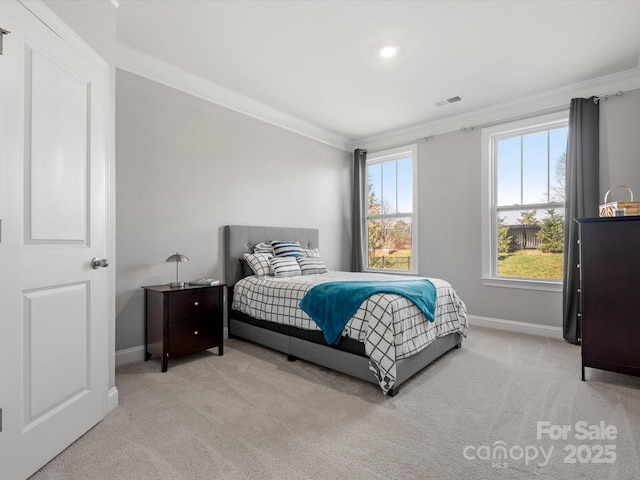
[606, 97]
[560, 108]
[597, 98]
[515, 118]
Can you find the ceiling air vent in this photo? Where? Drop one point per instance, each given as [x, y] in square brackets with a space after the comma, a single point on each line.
[447, 101]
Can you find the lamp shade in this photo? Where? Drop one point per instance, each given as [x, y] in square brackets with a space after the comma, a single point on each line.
[178, 258]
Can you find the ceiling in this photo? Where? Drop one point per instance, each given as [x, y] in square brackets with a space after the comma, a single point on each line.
[317, 60]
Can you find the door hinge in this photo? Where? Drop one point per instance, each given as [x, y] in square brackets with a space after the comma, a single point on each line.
[3, 32]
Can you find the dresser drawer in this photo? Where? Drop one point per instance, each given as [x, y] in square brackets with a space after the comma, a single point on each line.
[192, 303]
[192, 335]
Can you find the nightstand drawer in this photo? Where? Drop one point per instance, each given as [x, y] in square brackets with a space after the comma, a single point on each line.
[192, 303]
[192, 335]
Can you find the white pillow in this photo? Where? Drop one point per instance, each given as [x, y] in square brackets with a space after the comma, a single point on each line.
[259, 263]
[311, 266]
[285, 266]
[263, 248]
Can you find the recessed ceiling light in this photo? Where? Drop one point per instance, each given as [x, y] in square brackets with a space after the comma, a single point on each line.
[388, 51]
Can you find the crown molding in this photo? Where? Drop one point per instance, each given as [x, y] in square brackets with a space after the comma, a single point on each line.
[554, 99]
[149, 67]
[46, 15]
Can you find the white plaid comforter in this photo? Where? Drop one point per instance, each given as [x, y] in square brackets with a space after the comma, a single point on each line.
[390, 325]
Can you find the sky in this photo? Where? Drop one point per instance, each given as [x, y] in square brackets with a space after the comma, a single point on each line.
[526, 167]
[526, 174]
[531, 167]
[392, 184]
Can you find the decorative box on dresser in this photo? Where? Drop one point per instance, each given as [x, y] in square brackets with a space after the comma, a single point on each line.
[610, 293]
[183, 320]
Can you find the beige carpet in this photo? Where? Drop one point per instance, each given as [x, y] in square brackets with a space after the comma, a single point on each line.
[251, 414]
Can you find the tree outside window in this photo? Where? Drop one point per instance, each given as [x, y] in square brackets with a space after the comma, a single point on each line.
[390, 213]
[529, 167]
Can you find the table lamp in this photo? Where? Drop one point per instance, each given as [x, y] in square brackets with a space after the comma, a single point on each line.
[178, 257]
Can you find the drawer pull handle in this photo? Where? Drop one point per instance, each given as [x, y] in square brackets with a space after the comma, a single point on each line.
[196, 332]
[195, 303]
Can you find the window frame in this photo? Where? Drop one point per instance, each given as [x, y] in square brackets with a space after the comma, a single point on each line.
[381, 156]
[489, 199]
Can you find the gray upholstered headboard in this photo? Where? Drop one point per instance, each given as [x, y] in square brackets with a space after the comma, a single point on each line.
[240, 239]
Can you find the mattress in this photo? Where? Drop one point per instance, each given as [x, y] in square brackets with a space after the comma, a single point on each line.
[390, 326]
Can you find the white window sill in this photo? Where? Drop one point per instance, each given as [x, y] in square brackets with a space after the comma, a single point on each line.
[392, 272]
[524, 284]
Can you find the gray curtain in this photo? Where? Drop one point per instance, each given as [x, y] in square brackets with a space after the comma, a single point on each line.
[358, 210]
[581, 201]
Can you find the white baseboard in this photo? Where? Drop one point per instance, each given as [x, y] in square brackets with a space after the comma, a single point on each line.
[518, 327]
[129, 355]
[112, 399]
[136, 354]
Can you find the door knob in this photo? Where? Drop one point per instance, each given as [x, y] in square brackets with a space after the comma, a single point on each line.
[99, 262]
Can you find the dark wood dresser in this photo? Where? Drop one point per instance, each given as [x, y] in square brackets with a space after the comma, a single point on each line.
[179, 321]
[610, 294]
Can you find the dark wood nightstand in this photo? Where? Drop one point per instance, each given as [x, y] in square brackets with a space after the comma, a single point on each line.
[179, 321]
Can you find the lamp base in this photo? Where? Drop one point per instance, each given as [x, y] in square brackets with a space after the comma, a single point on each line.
[177, 284]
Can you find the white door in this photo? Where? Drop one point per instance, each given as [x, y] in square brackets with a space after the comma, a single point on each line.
[54, 307]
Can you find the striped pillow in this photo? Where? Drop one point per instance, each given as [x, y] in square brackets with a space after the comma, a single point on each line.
[285, 266]
[311, 266]
[286, 249]
[259, 263]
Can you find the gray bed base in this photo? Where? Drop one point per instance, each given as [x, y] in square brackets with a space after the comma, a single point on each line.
[240, 239]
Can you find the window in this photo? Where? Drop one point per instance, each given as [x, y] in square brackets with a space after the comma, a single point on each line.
[391, 213]
[523, 239]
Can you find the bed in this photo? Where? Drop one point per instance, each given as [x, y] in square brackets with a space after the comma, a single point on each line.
[384, 348]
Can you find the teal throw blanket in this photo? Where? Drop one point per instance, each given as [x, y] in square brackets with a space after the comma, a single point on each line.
[332, 304]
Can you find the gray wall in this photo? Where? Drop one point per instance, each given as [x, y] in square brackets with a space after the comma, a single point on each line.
[620, 144]
[186, 167]
[450, 211]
